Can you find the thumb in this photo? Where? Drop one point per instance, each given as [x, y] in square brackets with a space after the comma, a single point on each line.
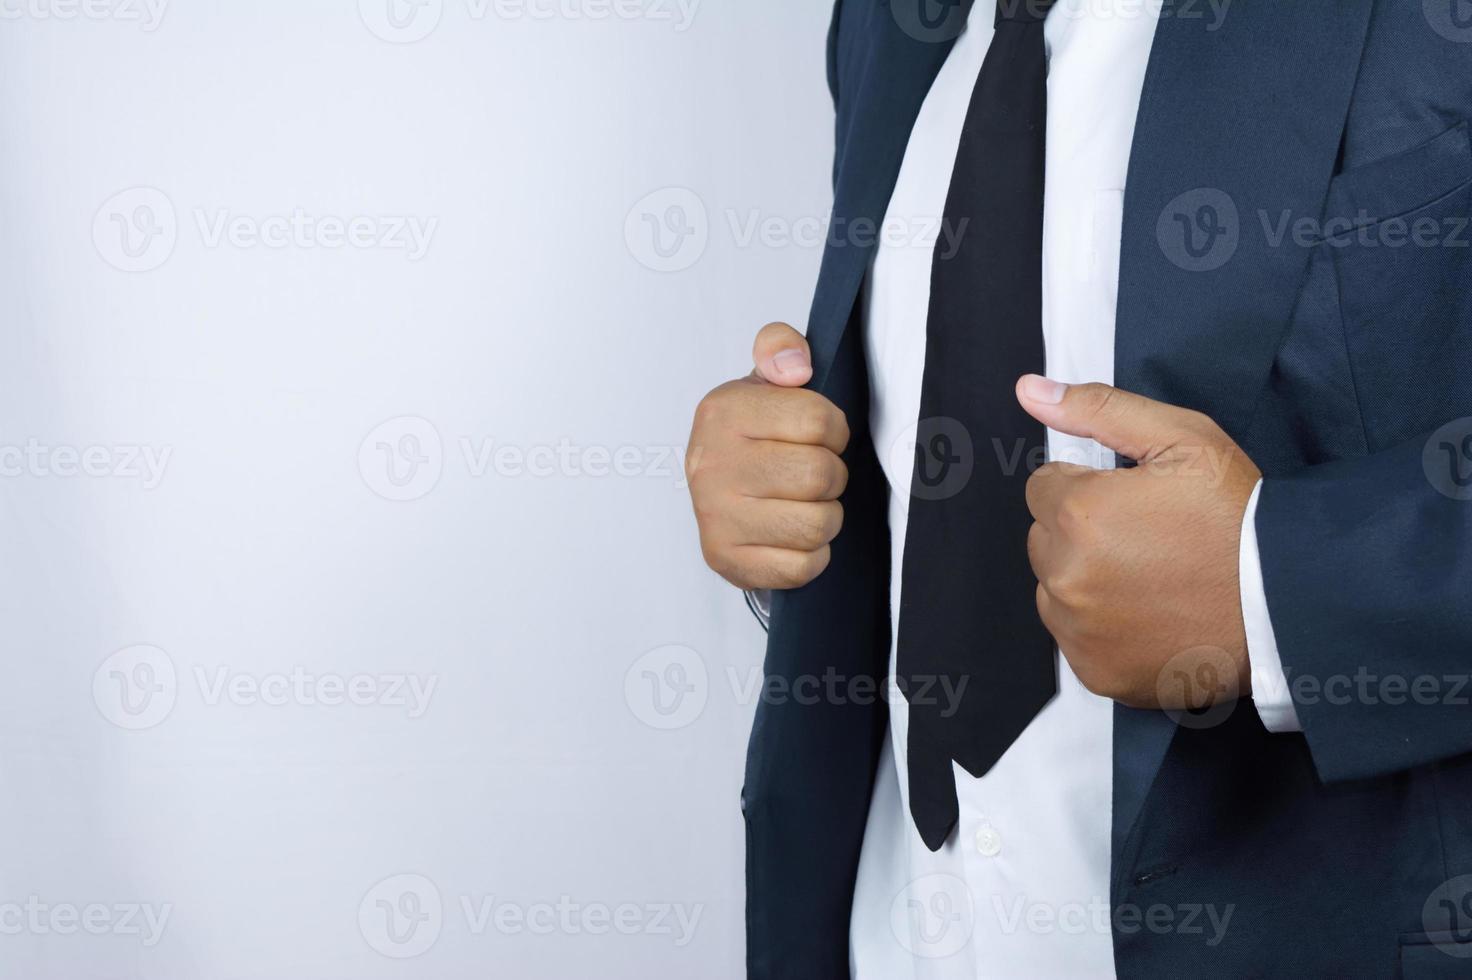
[1129, 424]
[782, 356]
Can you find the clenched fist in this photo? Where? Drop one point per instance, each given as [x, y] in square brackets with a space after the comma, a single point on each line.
[1138, 568]
[764, 470]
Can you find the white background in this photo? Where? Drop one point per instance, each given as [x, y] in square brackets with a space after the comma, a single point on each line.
[201, 553]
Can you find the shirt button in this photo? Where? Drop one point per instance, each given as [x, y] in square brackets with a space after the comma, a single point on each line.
[988, 841]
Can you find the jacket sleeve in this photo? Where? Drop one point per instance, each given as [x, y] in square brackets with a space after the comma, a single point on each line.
[1367, 565]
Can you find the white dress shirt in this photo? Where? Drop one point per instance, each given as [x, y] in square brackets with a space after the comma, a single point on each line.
[1022, 888]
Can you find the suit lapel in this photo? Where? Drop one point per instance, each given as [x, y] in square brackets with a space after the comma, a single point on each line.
[1237, 125]
[895, 70]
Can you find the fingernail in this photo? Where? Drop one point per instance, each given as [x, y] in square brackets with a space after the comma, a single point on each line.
[790, 361]
[1044, 390]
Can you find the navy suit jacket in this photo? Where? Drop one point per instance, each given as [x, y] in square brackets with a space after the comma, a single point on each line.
[1272, 277]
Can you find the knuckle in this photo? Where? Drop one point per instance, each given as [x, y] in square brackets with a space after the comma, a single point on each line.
[818, 526]
[1073, 513]
[813, 475]
[781, 575]
[813, 425]
[798, 529]
[838, 428]
[717, 558]
[710, 509]
[713, 409]
[1034, 543]
[1201, 423]
[813, 564]
[837, 478]
[1094, 680]
[834, 522]
[1064, 588]
[1100, 398]
[795, 569]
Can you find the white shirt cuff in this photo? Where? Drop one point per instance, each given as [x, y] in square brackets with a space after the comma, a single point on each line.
[1269, 681]
[759, 601]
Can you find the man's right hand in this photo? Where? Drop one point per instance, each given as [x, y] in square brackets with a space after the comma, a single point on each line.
[764, 470]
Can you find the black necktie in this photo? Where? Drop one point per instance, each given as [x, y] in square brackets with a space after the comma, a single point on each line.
[968, 613]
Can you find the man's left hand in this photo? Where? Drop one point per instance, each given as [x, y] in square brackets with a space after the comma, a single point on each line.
[1138, 568]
